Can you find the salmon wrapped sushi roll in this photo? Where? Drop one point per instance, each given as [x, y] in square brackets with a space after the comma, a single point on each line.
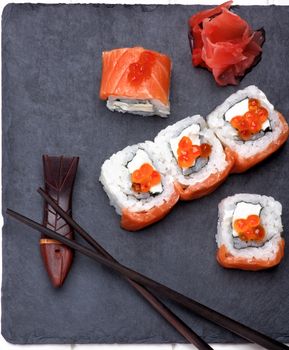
[137, 81]
[138, 186]
[249, 125]
[249, 235]
[194, 157]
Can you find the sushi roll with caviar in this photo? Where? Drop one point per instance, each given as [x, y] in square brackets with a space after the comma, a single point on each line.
[249, 235]
[249, 125]
[136, 80]
[138, 186]
[194, 157]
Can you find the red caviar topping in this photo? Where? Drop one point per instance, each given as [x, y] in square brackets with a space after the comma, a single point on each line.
[254, 104]
[141, 69]
[136, 176]
[251, 122]
[186, 160]
[155, 178]
[136, 187]
[239, 123]
[241, 225]
[262, 114]
[245, 135]
[188, 153]
[146, 170]
[144, 178]
[253, 220]
[254, 123]
[250, 229]
[206, 150]
[196, 151]
[249, 115]
[145, 187]
[253, 234]
[142, 174]
[185, 143]
[259, 232]
[147, 57]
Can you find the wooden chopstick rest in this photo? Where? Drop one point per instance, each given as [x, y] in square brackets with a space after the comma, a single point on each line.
[59, 176]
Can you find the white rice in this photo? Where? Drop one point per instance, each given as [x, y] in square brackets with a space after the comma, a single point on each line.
[217, 160]
[270, 219]
[227, 134]
[116, 180]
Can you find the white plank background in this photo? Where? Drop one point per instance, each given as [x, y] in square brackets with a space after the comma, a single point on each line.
[7, 346]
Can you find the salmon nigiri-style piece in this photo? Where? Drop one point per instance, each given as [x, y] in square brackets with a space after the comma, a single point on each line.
[136, 80]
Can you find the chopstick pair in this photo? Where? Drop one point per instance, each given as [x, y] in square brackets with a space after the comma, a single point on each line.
[161, 308]
[101, 256]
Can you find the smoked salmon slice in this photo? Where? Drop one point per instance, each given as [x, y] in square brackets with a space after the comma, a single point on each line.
[230, 261]
[133, 221]
[136, 80]
[206, 187]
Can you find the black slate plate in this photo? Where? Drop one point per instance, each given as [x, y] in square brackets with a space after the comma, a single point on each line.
[51, 75]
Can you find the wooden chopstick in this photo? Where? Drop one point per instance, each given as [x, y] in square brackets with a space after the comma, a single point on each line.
[173, 319]
[200, 309]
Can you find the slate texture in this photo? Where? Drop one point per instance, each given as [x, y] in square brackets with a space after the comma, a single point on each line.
[51, 76]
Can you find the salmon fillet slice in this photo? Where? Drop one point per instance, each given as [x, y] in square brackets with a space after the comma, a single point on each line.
[226, 259]
[133, 221]
[154, 84]
[206, 187]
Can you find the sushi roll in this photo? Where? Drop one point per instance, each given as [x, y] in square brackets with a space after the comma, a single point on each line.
[137, 81]
[138, 186]
[249, 125]
[194, 157]
[249, 232]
